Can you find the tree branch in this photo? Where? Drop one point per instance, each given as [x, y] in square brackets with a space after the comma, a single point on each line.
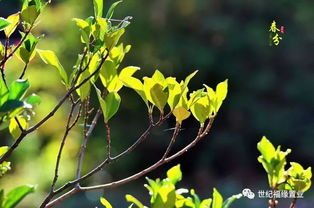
[173, 139]
[84, 144]
[137, 175]
[23, 72]
[56, 173]
[52, 112]
[108, 137]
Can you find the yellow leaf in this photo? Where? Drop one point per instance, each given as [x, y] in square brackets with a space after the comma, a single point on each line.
[181, 114]
[15, 20]
[222, 90]
[14, 127]
[105, 202]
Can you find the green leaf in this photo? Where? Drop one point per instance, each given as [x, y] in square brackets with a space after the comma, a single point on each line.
[111, 9]
[4, 23]
[201, 110]
[222, 90]
[136, 85]
[108, 72]
[159, 78]
[18, 89]
[10, 105]
[166, 197]
[132, 199]
[128, 71]
[33, 99]
[84, 90]
[15, 20]
[159, 96]
[30, 14]
[14, 127]
[299, 179]
[174, 92]
[174, 174]
[49, 57]
[112, 38]
[109, 105]
[3, 150]
[27, 50]
[80, 23]
[205, 203]
[98, 7]
[105, 202]
[188, 78]
[266, 148]
[227, 203]
[16, 195]
[217, 199]
[4, 167]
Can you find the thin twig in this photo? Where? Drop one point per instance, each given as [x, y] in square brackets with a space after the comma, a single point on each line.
[84, 144]
[108, 136]
[19, 124]
[23, 72]
[293, 203]
[173, 139]
[56, 173]
[137, 175]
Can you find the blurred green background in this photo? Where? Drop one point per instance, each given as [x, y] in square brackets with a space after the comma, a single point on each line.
[270, 93]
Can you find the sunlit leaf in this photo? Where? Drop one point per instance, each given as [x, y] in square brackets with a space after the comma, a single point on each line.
[111, 9]
[30, 14]
[80, 23]
[3, 150]
[14, 128]
[132, 199]
[105, 202]
[98, 7]
[33, 99]
[159, 78]
[27, 50]
[201, 110]
[16, 195]
[109, 105]
[181, 114]
[227, 203]
[136, 85]
[174, 174]
[159, 96]
[217, 199]
[108, 72]
[205, 203]
[222, 90]
[266, 148]
[15, 20]
[174, 92]
[18, 89]
[128, 71]
[84, 90]
[49, 57]
[4, 23]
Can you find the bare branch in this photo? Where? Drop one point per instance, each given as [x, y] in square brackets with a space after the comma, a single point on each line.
[135, 176]
[293, 203]
[23, 72]
[173, 139]
[56, 173]
[84, 144]
[108, 136]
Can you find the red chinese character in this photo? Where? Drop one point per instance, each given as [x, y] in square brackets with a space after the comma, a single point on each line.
[282, 29]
